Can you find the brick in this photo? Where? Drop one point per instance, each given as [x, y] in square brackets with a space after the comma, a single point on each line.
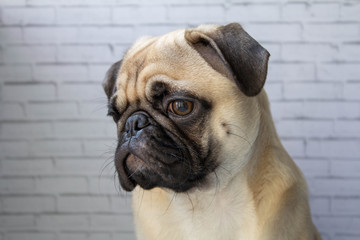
[27, 16]
[112, 222]
[122, 205]
[76, 2]
[51, 35]
[313, 167]
[124, 236]
[282, 110]
[313, 12]
[274, 91]
[63, 185]
[331, 110]
[55, 148]
[14, 148]
[105, 185]
[295, 148]
[197, 14]
[12, 2]
[305, 128]
[97, 72]
[291, 71]
[79, 167]
[350, 11]
[320, 205]
[11, 35]
[81, 15]
[15, 73]
[111, 129]
[274, 31]
[274, 49]
[331, 31]
[55, 110]
[86, 236]
[338, 72]
[336, 224]
[311, 91]
[119, 51]
[11, 111]
[93, 111]
[17, 185]
[347, 237]
[83, 129]
[335, 187]
[350, 52]
[333, 148]
[28, 167]
[351, 91]
[144, 14]
[99, 148]
[29, 54]
[181, 2]
[61, 73]
[308, 52]
[89, 92]
[346, 206]
[29, 92]
[156, 30]
[253, 13]
[85, 53]
[25, 130]
[345, 168]
[77, 204]
[16, 222]
[347, 128]
[105, 35]
[62, 221]
[30, 236]
[29, 204]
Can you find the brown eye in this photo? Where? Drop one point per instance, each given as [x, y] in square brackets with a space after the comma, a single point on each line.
[180, 107]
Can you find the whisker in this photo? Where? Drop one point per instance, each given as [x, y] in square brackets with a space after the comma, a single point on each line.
[172, 199]
[243, 138]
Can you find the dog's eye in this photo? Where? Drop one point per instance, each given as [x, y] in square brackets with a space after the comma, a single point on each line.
[181, 107]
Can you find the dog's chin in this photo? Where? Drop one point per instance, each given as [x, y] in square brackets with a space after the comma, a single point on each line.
[138, 173]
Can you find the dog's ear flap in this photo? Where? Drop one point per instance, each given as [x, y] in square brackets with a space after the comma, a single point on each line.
[243, 58]
[110, 79]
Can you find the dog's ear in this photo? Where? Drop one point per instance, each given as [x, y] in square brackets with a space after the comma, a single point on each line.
[110, 79]
[234, 53]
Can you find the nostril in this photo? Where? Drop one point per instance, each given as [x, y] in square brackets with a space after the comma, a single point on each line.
[135, 123]
[141, 122]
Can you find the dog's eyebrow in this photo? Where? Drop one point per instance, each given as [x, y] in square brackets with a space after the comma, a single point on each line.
[157, 91]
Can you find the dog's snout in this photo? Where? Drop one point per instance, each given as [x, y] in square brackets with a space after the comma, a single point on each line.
[135, 123]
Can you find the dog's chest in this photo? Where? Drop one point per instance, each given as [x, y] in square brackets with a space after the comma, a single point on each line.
[215, 217]
[223, 219]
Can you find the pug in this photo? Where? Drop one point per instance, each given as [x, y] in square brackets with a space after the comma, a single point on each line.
[197, 144]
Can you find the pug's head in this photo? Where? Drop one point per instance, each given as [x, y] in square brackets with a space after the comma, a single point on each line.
[185, 106]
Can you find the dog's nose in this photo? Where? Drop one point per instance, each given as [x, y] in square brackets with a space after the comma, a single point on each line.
[135, 123]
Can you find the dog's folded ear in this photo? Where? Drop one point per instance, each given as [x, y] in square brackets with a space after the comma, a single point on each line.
[110, 79]
[242, 58]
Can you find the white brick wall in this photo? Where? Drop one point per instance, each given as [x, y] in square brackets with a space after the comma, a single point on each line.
[56, 145]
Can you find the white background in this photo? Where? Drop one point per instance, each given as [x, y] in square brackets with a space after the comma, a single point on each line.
[56, 145]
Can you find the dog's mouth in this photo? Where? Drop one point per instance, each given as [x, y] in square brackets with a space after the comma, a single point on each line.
[132, 171]
[155, 157]
[133, 167]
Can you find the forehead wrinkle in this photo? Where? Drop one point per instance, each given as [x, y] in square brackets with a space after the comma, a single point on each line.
[120, 100]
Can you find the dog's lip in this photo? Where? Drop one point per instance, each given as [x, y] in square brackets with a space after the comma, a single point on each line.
[124, 175]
